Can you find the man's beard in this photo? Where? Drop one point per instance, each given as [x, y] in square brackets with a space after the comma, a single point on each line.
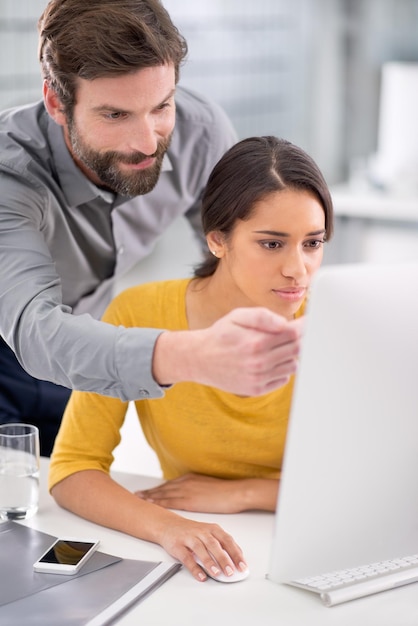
[105, 165]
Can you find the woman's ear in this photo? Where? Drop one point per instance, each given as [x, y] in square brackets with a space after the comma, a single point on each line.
[216, 243]
[53, 105]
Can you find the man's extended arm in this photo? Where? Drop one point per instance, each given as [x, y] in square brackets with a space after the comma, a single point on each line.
[250, 351]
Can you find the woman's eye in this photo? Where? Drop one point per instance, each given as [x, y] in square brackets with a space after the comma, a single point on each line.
[271, 245]
[315, 243]
[163, 106]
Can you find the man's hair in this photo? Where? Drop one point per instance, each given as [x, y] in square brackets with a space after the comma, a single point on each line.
[95, 38]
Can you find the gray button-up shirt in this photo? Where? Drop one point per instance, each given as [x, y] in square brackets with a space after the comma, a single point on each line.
[61, 244]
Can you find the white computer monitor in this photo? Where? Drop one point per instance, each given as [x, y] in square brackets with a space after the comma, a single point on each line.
[349, 488]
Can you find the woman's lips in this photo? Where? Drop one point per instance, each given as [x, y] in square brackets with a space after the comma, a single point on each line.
[291, 294]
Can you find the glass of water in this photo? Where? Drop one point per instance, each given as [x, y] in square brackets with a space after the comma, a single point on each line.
[19, 471]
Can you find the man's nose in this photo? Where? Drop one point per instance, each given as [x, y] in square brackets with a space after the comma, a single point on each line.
[143, 138]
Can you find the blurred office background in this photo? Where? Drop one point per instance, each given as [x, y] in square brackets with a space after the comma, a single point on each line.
[308, 70]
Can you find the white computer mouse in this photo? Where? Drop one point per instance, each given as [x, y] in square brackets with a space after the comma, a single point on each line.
[236, 577]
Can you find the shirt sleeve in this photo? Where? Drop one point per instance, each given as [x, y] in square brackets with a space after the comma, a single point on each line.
[50, 342]
[90, 428]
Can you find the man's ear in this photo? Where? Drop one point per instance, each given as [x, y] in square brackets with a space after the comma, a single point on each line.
[53, 105]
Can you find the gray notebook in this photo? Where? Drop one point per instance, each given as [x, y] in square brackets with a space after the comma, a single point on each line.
[104, 588]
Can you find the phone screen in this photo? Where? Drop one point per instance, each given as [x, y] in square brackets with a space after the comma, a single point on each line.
[67, 552]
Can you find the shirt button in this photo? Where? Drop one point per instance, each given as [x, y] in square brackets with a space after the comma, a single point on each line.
[143, 393]
[121, 250]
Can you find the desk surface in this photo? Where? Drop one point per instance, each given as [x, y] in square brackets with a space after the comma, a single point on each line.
[182, 601]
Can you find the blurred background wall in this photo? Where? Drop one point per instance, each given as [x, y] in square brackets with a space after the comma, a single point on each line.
[308, 70]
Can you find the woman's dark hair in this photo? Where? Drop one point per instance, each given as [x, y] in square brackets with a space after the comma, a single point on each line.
[249, 171]
[95, 38]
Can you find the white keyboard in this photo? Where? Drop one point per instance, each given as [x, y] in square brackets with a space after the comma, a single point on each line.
[357, 582]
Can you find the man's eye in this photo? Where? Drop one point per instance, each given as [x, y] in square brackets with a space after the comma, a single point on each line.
[115, 115]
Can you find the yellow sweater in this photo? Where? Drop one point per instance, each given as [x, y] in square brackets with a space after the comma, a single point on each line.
[193, 428]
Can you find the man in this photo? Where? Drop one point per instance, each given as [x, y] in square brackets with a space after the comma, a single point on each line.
[90, 177]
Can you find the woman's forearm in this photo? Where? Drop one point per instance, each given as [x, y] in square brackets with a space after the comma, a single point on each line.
[257, 493]
[207, 494]
[95, 496]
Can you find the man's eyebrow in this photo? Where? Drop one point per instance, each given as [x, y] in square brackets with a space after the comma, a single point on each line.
[113, 107]
[276, 233]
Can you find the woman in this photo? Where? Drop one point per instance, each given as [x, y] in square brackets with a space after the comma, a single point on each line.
[266, 214]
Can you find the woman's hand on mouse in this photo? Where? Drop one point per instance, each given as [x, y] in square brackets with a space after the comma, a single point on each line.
[94, 495]
[206, 494]
[187, 539]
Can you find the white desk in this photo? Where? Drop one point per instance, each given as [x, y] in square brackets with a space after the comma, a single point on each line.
[182, 601]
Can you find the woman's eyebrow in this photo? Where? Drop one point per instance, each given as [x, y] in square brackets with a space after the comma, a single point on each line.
[273, 233]
[276, 233]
